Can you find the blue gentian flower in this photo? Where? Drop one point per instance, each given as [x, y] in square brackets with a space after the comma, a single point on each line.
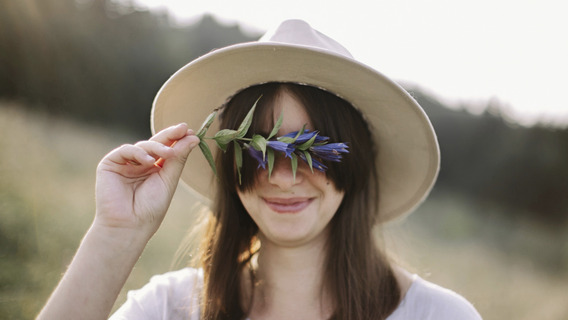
[258, 156]
[320, 139]
[330, 151]
[281, 146]
[320, 150]
[305, 136]
[315, 162]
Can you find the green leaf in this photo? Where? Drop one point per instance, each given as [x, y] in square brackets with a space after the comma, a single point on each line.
[304, 146]
[207, 153]
[238, 158]
[277, 125]
[300, 132]
[294, 162]
[224, 137]
[289, 140]
[222, 146]
[259, 143]
[247, 121]
[309, 159]
[270, 158]
[206, 124]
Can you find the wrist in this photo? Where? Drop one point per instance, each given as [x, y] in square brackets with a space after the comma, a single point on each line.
[116, 238]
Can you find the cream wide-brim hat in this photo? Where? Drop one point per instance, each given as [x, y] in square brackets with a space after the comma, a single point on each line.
[408, 152]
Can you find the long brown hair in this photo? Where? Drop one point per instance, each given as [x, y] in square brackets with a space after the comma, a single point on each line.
[359, 275]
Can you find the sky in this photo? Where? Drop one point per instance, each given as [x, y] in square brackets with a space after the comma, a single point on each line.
[512, 53]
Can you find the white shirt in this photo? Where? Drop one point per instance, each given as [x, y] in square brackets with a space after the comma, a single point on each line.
[175, 296]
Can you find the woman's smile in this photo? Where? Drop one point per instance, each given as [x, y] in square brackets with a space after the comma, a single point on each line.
[288, 205]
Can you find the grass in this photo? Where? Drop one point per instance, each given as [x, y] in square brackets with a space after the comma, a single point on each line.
[508, 269]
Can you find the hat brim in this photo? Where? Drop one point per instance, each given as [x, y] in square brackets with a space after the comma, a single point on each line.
[408, 159]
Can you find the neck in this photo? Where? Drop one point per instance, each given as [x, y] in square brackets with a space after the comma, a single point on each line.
[289, 282]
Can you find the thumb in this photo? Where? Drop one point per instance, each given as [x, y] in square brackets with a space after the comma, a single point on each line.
[172, 167]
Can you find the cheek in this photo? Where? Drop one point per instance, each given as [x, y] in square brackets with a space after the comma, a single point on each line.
[334, 199]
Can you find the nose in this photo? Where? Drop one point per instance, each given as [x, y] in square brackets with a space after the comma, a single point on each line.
[282, 174]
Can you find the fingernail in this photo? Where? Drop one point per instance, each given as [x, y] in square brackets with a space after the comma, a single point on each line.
[159, 163]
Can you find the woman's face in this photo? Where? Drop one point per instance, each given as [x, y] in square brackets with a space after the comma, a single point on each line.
[291, 212]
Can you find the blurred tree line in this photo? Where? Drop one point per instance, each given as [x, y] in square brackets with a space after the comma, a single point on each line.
[96, 60]
[498, 162]
[103, 61]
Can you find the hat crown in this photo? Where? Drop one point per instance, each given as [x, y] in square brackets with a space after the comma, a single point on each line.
[299, 32]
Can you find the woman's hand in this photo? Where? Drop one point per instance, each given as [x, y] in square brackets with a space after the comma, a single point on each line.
[133, 194]
[132, 198]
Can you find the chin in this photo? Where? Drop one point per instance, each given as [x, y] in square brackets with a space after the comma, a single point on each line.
[293, 237]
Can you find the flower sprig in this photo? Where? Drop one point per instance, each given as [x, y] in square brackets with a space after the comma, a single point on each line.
[309, 146]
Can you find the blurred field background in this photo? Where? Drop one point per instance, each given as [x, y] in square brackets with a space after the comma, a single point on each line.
[77, 79]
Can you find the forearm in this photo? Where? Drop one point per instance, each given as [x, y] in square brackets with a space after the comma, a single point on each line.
[96, 275]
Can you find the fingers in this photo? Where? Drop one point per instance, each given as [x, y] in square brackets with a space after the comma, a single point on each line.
[173, 165]
[173, 142]
[130, 154]
[168, 135]
[156, 149]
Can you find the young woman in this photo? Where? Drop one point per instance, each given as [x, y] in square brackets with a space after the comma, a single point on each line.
[290, 230]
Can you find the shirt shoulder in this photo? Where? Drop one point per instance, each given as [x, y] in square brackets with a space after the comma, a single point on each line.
[427, 301]
[172, 295]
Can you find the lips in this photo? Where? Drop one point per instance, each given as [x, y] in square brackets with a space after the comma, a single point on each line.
[288, 205]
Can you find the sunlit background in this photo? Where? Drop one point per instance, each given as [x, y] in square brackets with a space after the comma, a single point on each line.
[462, 51]
[77, 78]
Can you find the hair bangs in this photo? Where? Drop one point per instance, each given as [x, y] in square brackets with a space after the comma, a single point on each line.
[331, 115]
